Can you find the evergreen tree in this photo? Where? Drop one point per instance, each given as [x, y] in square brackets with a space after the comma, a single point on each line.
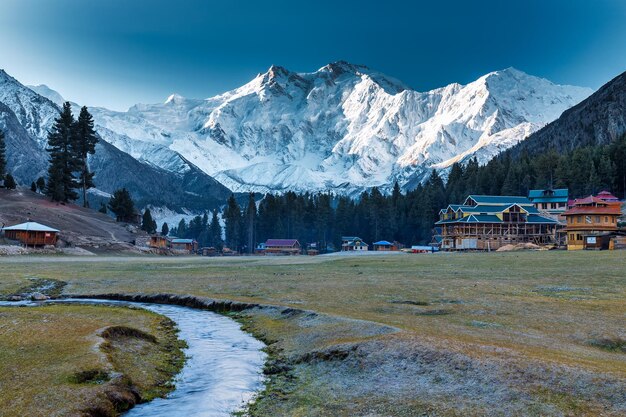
[9, 182]
[232, 220]
[181, 230]
[41, 184]
[165, 229]
[122, 205]
[250, 221]
[85, 140]
[63, 162]
[33, 187]
[215, 232]
[147, 223]
[3, 156]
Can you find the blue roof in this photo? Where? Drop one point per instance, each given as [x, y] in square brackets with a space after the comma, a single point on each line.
[497, 199]
[383, 243]
[182, 240]
[497, 208]
[557, 193]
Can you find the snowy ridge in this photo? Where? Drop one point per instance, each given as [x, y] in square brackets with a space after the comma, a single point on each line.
[343, 128]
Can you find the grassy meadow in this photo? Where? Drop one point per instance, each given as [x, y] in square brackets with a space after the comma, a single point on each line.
[533, 309]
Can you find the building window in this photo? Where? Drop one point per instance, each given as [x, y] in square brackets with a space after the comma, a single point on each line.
[579, 219]
[597, 219]
[606, 219]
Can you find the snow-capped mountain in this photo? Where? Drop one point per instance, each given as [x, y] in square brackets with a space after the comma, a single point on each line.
[344, 127]
[26, 117]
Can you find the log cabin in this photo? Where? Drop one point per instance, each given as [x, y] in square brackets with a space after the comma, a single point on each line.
[32, 234]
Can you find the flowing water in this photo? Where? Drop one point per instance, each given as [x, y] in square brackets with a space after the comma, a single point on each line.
[223, 370]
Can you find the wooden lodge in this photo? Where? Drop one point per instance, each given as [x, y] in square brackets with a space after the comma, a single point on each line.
[386, 246]
[591, 221]
[353, 243]
[32, 234]
[486, 222]
[159, 242]
[188, 245]
[282, 247]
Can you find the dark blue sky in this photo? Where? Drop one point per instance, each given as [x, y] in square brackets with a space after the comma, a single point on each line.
[116, 53]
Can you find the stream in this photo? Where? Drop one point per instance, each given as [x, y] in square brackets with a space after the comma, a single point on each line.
[223, 370]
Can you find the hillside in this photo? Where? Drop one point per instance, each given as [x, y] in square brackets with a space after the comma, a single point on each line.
[598, 120]
[79, 226]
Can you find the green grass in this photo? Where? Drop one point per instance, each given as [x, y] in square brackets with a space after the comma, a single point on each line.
[54, 362]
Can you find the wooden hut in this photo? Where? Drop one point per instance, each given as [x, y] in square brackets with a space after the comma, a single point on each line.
[158, 242]
[385, 246]
[32, 234]
[189, 245]
[282, 247]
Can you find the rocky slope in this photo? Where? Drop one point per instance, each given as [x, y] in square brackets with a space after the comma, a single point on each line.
[344, 127]
[598, 120]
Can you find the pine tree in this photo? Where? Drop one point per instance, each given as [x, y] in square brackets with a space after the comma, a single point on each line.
[232, 220]
[250, 223]
[85, 140]
[3, 156]
[181, 230]
[165, 229]
[122, 205]
[215, 232]
[33, 187]
[41, 184]
[63, 163]
[147, 223]
[9, 182]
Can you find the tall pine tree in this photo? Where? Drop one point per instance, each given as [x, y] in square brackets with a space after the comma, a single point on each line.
[232, 220]
[3, 156]
[63, 162]
[85, 140]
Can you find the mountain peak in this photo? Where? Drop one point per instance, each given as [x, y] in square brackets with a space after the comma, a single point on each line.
[174, 98]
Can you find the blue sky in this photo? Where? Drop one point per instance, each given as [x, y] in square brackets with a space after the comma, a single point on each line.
[115, 53]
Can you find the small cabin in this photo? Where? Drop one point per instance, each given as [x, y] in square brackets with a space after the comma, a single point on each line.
[353, 243]
[385, 246]
[282, 247]
[158, 242]
[189, 245]
[209, 251]
[32, 234]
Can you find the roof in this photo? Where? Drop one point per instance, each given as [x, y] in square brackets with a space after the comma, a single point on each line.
[607, 196]
[32, 227]
[497, 199]
[492, 218]
[549, 193]
[182, 240]
[281, 242]
[496, 208]
[383, 243]
[609, 209]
